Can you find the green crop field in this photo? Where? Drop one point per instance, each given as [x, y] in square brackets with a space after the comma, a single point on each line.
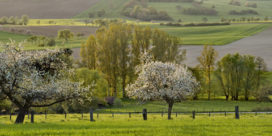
[213, 35]
[113, 9]
[5, 37]
[122, 125]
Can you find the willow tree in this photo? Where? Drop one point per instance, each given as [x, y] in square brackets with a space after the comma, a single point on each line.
[163, 81]
[207, 63]
[35, 79]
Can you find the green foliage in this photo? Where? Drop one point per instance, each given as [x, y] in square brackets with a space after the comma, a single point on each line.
[207, 64]
[25, 19]
[65, 35]
[239, 74]
[96, 80]
[138, 10]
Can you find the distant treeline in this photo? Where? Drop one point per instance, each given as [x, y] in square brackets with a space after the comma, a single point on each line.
[243, 19]
[194, 24]
[138, 9]
[197, 9]
[14, 20]
[243, 12]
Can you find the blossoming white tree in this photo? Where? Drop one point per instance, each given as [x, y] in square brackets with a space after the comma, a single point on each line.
[163, 81]
[35, 78]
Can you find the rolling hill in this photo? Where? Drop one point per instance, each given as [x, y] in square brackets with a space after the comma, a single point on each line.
[175, 9]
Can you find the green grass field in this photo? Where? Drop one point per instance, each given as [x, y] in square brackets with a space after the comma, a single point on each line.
[213, 35]
[113, 9]
[5, 37]
[122, 125]
[189, 106]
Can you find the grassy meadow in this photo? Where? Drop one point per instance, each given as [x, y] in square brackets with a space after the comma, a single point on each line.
[213, 35]
[221, 6]
[5, 37]
[122, 125]
[189, 106]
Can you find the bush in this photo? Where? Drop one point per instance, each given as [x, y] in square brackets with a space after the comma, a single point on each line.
[117, 102]
[263, 94]
[101, 13]
[110, 100]
[51, 42]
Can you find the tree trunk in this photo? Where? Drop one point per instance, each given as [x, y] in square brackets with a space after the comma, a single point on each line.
[209, 89]
[124, 87]
[170, 106]
[21, 116]
[227, 97]
[246, 95]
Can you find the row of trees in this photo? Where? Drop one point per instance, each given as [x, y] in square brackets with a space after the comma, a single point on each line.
[244, 19]
[14, 20]
[236, 74]
[197, 9]
[36, 78]
[116, 49]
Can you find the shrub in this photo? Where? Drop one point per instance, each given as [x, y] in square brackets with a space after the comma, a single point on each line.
[263, 94]
[51, 42]
[110, 100]
[117, 102]
[101, 13]
[91, 14]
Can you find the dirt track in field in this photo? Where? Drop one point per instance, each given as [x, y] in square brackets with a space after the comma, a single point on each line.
[44, 8]
[257, 45]
[49, 31]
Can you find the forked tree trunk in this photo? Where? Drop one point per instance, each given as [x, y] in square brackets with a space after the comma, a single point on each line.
[227, 97]
[21, 116]
[170, 106]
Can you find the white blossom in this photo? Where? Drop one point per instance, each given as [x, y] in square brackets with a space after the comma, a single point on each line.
[163, 81]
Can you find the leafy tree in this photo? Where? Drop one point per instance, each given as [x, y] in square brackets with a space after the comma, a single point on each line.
[108, 42]
[25, 19]
[65, 35]
[101, 13]
[165, 48]
[35, 79]
[207, 63]
[163, 81]
[141, 43]
[91, 14]
[92, 78]
[88, 53]
[205, 19]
